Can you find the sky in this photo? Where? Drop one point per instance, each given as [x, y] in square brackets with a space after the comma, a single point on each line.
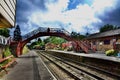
[73, 15]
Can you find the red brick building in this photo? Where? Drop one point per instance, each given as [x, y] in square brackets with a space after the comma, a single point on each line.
[105, 40]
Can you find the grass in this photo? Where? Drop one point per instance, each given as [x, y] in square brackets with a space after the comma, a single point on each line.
[25, 50]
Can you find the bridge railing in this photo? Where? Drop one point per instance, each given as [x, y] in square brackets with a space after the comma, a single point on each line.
[59, 30]
[45, 29]
[30, 34]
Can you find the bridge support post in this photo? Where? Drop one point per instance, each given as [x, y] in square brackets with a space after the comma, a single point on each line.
[20, 48]
[16, 48]
[13, 48]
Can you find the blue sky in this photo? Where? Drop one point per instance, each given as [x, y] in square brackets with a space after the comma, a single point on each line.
[73, 15]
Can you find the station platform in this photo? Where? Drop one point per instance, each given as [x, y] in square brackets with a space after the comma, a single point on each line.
[29, 67]
[92, 55]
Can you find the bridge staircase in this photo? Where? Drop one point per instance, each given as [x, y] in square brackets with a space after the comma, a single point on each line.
[83, 47]
[86, 47]
[80, 46]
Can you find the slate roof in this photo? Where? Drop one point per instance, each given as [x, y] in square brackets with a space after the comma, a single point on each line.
[104, 34]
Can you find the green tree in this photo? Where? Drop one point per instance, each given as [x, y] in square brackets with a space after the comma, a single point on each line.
[39, 40]
[17, 34]
[5, 32]
[46, 40]
[37, 43]
[57, 40]
[77, 35]
[87, 34]
[108, 27]
[32, 44]
[81, 37]
[73, 34]
[54, 40]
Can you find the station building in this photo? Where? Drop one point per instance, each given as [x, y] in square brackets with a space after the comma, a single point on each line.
[7, 13]
[105, 40]
[7, 20]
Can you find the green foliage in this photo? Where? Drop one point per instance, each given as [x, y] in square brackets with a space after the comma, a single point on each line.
[108, 27]
[39, 40]
[33, 43]
[4, 32]
[111, 52]
[87, 34]
[55, 40]
[37, 43]
[77, 35]
[25, 50]
[46, 40]
[17, 34]
[7, 52]
[74, 34]
[42, 43]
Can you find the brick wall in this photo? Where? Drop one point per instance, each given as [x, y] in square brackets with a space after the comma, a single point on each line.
[118, 44]
[100, 46]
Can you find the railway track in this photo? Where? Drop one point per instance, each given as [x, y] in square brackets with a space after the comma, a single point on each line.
[72, 70]
[94, 71]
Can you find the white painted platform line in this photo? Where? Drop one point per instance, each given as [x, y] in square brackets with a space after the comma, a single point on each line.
[54, 78]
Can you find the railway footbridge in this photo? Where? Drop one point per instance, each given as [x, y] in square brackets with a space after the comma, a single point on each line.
[42, 31]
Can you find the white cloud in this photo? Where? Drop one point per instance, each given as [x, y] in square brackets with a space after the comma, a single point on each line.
[78, 18]
[100, 6]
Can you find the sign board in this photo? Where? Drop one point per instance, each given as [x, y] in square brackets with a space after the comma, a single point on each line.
[3, 40]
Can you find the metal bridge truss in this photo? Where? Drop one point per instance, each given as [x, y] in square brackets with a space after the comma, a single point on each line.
[44, 29]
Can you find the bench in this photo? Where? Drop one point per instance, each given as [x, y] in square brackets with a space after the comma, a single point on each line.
[4, 66]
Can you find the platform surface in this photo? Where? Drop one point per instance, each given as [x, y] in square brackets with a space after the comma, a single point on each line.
[29, 67]
[92, 55]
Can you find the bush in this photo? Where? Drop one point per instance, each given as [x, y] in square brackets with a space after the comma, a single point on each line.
[7, 51]
[111, 52]
[6, 54]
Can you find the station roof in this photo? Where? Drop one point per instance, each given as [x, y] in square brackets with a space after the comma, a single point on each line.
[104, 34]
[7, 13]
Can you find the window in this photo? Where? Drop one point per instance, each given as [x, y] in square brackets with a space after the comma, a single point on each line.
[94, 43]
[106, 41]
